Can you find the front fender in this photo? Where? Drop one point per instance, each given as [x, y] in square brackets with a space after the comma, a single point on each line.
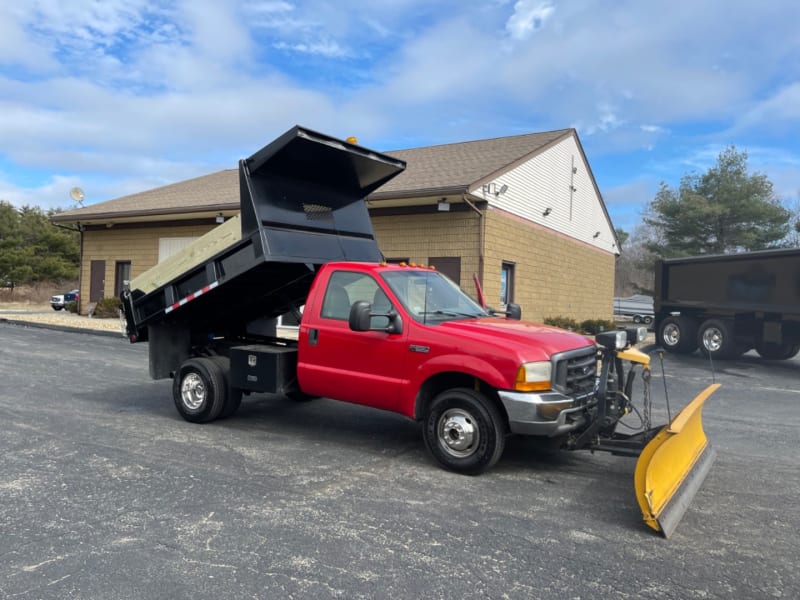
[452, 363]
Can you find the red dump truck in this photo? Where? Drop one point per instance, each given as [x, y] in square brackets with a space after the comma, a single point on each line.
[397, 337]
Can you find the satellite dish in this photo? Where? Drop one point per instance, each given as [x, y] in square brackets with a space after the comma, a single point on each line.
[76, 194]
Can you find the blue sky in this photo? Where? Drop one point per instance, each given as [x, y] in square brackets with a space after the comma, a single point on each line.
[119, 96]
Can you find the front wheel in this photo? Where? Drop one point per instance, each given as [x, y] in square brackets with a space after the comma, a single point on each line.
[464, 431]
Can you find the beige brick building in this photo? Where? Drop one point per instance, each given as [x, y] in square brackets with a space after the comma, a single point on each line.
[521, 215]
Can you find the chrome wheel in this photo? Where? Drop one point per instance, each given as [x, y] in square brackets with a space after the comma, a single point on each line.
[458, 433]
[671, 334]
[712, 339]
[193, 391]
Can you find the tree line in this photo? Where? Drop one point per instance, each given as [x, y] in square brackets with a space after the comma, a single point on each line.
[725, 210]
[32, 249]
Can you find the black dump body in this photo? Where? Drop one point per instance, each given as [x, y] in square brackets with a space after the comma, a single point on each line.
[766, 282]
[302, 205]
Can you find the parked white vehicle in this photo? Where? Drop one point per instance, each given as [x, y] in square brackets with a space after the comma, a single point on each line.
[60, 301]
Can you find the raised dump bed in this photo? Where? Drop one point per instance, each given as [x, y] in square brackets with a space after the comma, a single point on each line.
[302, 205]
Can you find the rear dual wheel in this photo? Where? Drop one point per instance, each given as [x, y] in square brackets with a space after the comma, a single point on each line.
[200, 390]
[717, 339]
[678, 334]
[233, 398]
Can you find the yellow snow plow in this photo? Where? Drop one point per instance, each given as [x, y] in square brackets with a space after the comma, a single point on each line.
[672, 466]
[673, 459]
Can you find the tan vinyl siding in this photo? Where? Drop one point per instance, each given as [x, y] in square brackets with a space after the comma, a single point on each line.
[553, 275]
[138, 245]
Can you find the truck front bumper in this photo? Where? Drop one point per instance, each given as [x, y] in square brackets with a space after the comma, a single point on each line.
[549, 414]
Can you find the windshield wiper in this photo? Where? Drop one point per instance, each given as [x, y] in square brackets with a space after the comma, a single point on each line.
[451, 313]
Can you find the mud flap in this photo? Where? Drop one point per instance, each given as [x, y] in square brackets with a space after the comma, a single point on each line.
[673, 466]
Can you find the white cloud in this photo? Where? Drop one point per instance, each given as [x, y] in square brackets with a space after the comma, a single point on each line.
[626, 202]
[143, 90]
[322, 48]
[528, 18]
[773, 113]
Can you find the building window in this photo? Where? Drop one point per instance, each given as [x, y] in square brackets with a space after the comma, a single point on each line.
[447, 265]
[122, 276]
[507, 283]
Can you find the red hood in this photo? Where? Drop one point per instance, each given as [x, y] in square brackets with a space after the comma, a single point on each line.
[531, 341]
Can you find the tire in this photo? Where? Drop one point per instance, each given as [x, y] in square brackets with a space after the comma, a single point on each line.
[233, 398]
[56, 308]
[777, 351]
[647, 319]
[678, 335]
[464, 431]
[637, 319]
[199, 390]
[716, 339]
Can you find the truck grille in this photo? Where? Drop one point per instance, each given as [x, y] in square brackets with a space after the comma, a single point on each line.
[574, 372]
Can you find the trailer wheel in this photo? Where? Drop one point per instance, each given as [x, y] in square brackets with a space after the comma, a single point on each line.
[464, 431]
[777, 351]
[647, 319]
[717, 340]
[678, 335]
[233, 398]
[199, 390]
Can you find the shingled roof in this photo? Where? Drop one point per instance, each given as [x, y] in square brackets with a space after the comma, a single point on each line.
[460, 167]
[431, 170]
[215, 192]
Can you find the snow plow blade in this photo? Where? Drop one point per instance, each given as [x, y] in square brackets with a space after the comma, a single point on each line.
[673, 466]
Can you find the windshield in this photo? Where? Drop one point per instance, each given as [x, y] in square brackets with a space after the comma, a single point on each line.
[430, 296]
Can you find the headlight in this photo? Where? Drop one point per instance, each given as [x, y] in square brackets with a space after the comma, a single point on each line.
[636, 334]
[533, 377]
[613, 340]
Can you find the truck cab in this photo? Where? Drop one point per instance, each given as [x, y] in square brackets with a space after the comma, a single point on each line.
[397, 337]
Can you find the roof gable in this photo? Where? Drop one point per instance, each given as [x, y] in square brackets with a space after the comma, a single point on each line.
[458, 167]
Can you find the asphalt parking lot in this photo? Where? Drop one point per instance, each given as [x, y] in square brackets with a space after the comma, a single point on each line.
[107, 493]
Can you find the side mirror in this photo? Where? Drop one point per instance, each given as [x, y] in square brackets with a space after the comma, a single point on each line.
[361, 318]
[360, 313]
[514, 311]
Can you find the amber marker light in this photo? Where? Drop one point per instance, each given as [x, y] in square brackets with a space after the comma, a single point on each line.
[533, 377]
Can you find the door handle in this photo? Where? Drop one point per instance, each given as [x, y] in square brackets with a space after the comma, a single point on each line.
[313, 337]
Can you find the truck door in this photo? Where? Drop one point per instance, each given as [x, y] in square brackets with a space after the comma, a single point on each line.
[365, 367]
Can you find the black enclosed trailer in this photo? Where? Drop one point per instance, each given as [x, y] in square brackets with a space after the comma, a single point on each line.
[728, 304]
